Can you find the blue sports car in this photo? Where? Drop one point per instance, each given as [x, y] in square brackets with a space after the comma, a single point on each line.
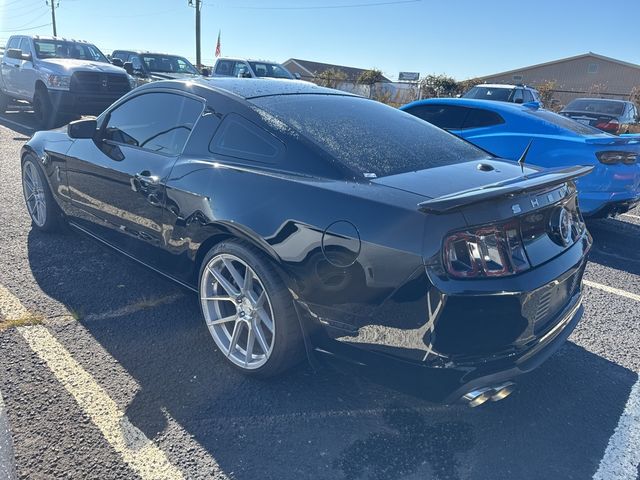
[506, 129]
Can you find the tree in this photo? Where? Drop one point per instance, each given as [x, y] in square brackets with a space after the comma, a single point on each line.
[370, 77]
[438, 86]
[331, 78]
[465, 85]
[546, 90]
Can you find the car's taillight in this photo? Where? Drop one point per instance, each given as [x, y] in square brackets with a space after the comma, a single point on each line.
[491, 251]
[613, 157]
[608, 126]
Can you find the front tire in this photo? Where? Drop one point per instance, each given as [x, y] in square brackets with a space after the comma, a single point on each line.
[45, 213]
[249, 310]
[43, 110]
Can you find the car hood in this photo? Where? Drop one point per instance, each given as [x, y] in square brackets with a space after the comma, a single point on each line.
[440, 181]
[173, 76]
[69, 65]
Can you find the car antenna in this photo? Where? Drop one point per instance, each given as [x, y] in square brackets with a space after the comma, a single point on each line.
[523, 157]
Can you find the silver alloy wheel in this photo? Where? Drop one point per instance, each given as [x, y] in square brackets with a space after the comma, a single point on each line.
[34, 193]
[238, 311]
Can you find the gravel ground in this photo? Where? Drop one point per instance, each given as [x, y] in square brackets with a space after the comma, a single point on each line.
[142, 339]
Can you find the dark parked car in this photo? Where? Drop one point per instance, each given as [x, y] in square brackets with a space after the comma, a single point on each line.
[149, 66]
[313, 221]
[611, 116]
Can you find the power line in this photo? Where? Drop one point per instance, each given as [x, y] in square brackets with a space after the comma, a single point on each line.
[325, 7]
[25, 29]
[30, 22]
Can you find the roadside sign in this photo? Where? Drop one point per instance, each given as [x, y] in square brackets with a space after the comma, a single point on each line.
[409, 76]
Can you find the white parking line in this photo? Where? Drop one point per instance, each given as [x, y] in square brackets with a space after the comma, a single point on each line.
[615, 291]
[7, 465]
[621, 459]
[622, 456]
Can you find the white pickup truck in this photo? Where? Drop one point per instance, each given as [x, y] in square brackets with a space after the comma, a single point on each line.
[59, 77]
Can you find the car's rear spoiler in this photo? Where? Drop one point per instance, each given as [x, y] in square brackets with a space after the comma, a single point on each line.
[536, 181]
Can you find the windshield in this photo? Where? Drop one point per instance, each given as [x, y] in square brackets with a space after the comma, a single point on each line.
[368, 137]
[490, 93]
[556, 120]
[262, 69]
[168, 64]
[597, 106]
[65, 49]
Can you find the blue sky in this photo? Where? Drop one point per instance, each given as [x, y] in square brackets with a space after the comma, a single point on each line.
[461, 38]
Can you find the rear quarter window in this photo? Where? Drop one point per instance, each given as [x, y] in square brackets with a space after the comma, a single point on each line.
[443, 116]
[240, 138]
[478, 118]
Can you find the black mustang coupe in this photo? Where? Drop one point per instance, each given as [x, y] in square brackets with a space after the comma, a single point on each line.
[314, 222]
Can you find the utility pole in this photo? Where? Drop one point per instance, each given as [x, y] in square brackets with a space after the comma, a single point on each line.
[53, 14]
[198, 6]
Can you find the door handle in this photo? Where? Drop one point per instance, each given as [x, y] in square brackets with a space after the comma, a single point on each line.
[145, 178]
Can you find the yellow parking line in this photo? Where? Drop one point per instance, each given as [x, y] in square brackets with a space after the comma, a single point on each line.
[615, 291]
[135, 448]
[140, 453]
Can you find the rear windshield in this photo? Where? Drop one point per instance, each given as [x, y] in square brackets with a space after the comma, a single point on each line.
[596, 106]
[490, 93]
[369, 138]
[566, 123]
[66, 49]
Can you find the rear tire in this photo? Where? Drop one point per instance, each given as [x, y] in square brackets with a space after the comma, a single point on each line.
[255, 315]
[4, 103]
[45, 213]
[43, 111]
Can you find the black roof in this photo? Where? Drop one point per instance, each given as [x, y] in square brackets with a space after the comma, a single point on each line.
[263, 87]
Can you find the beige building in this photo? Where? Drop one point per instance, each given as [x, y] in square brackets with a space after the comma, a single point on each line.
[590, 75]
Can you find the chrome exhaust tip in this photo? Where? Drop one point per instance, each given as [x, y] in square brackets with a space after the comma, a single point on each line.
[475, 398]
[502, 391]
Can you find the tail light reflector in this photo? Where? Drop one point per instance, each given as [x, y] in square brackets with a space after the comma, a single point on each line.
[614, 157]
[610, 126]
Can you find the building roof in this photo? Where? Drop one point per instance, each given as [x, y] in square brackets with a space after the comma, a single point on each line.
[316, 68]
[562, 60]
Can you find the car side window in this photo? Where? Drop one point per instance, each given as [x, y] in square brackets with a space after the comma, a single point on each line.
[159, 122]
[518, 96]
[528, 96]
[240, 138]
[24, 45]
[224, 67]
[14, 43]
[482, 118]
[444, 116]
[121, 55]
[240, 69]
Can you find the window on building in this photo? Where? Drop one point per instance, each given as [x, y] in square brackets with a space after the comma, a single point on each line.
[592, 68]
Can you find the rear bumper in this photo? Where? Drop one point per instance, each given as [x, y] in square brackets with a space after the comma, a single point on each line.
[604, 204]
[81, 103]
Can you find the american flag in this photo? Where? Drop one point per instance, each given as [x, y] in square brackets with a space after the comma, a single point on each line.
[218, 45]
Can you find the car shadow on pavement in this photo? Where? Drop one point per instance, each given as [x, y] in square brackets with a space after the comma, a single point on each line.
[324, 424]
[615, 244]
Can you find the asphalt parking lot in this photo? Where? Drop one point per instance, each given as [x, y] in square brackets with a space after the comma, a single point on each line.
[108, 372]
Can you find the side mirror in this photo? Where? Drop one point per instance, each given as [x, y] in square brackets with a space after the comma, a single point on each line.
[205, 72]
[297, 76]
[117, 62]
[245, 75]
[85, 128]
[518, 100]
[14, 53]
[128, 66]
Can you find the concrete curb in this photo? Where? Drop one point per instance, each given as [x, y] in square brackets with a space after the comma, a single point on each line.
[7, 461]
